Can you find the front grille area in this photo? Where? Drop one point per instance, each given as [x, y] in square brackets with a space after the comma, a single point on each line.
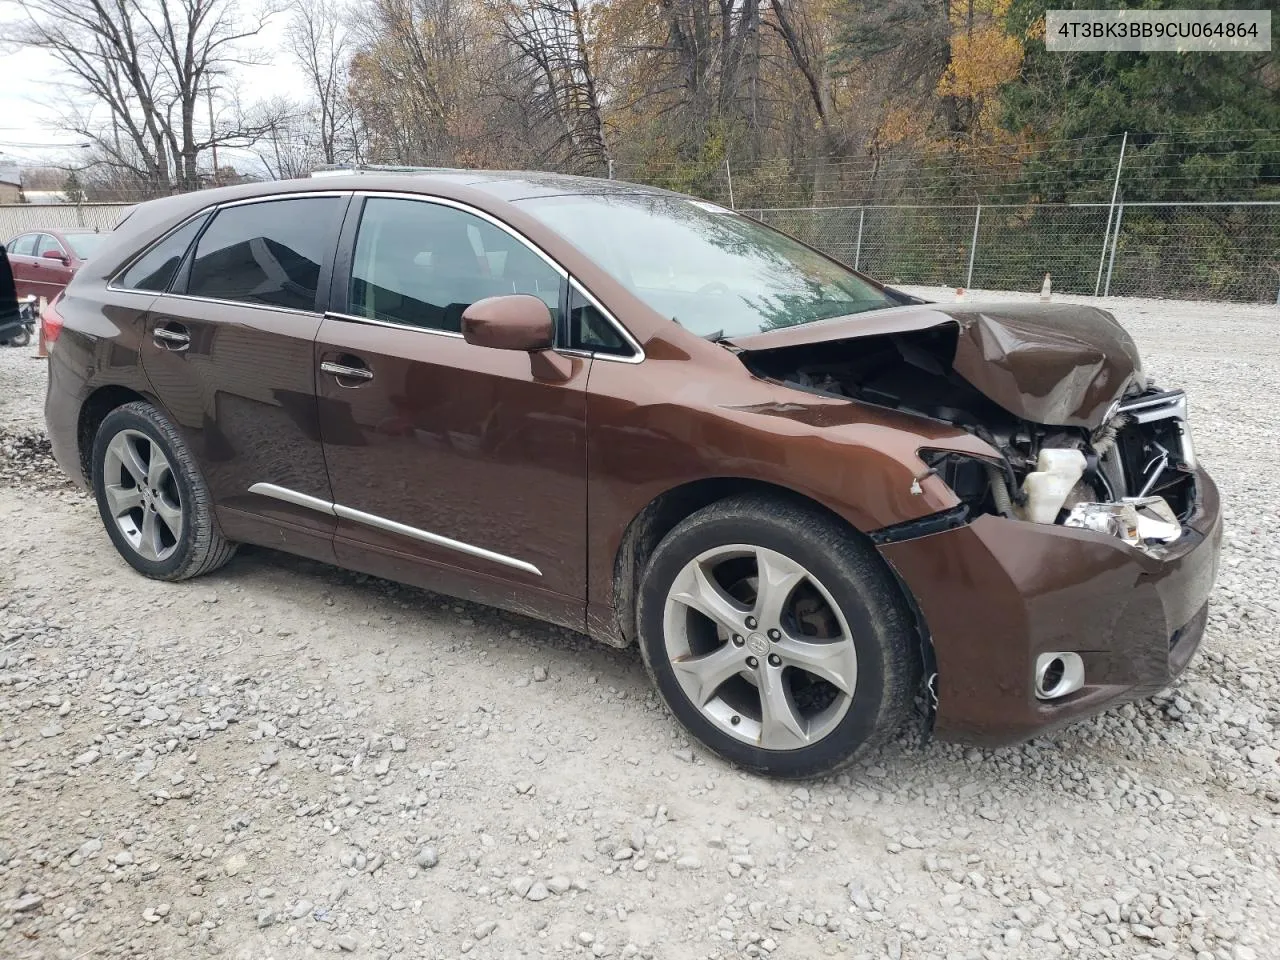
[1152, 452]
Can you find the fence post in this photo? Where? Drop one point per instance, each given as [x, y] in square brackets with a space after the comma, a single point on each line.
[1115, 242]
[857, 249]
[973, 247]
[1111, 212]
[728, 172]
[611, 168]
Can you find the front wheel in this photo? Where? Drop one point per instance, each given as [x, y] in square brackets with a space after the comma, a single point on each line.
[776, 636]
[152, 497]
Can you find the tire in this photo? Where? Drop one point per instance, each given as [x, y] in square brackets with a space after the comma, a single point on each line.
[806, 707]
[164, 526]
[21, 339]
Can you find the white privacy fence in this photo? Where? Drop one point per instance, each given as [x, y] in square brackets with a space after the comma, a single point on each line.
[16, 218]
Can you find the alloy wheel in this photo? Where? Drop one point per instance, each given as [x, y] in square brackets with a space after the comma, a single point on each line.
[760, 646]
[142, 494]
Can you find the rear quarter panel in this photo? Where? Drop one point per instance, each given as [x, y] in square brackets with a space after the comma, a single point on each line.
[98, 348]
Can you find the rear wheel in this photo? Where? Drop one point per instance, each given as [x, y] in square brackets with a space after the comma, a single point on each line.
[776, 636]
[152, 497]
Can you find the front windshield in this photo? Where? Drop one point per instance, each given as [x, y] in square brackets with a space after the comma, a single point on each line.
[85, 245]
[714, 272]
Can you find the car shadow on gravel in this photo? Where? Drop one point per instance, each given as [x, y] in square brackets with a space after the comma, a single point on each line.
[421, 615]
[319, 581]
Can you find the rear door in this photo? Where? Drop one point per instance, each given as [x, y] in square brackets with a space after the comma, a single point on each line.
[454, 466]
[228, 350]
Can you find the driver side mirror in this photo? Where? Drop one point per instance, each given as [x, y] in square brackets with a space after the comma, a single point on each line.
[54, 255]
[517, 321]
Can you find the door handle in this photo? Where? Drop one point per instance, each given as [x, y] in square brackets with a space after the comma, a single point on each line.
[171, 336]
[344, 372]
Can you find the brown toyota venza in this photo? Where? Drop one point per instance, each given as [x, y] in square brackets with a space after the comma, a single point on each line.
[814, 502]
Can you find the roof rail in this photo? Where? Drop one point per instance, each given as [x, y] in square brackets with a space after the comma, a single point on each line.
[339, 170]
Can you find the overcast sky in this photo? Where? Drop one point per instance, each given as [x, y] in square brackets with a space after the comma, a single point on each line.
[29, 84]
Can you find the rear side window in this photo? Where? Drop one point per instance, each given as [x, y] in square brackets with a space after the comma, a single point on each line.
[269, 252]
[23, 246]
[154, 270]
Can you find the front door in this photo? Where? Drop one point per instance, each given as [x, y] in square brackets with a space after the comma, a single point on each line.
[452, 465]
[228, 349]
[53, 266]
[23, 262]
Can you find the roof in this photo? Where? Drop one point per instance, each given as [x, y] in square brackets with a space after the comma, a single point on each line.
[500, 184]
[11, 175]
[483, 188]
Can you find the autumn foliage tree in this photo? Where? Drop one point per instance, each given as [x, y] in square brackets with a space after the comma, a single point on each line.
[764, 102]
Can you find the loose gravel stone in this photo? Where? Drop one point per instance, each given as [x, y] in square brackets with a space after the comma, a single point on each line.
[266, 761]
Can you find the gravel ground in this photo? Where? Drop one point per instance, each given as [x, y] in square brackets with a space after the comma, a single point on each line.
[285, 759]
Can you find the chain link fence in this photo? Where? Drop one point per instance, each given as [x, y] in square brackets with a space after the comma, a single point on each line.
[1196, 251]
[1191, 251]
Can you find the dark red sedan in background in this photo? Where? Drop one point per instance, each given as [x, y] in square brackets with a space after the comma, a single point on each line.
[44, 261]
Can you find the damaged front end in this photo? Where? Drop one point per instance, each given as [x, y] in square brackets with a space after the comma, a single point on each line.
[1075, 570]
[1133, 478]
[1123, 466]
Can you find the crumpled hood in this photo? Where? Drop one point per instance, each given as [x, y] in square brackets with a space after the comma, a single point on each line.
[1052, 363]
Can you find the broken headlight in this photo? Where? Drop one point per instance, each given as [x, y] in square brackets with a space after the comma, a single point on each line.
[1148, 523]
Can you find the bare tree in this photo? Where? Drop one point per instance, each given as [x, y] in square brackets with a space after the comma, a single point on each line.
[549, 39]
[148, 64]
[705, 47]
[417, 81]
[292, 146]
[319, 41]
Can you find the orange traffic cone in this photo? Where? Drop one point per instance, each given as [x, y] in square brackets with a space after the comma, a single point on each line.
[959, 294]
[42, 349]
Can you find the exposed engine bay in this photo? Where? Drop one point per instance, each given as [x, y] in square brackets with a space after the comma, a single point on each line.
[1129, 476]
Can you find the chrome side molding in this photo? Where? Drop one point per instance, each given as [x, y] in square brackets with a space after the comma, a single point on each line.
[294, 497]
[391, 526]
[382, 523]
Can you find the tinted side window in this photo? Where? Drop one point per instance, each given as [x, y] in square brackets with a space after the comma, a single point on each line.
[154, 270]
[589, 329]
[22, 246]
[268, 252]
[424, 263]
